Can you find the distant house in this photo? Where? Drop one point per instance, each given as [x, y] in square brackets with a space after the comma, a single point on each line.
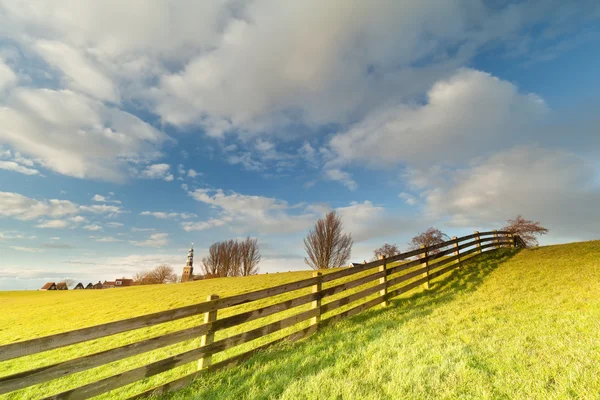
[90, 286]
[62, 286]
[123, 282]
[79, 286]
[108, 285]
[49, 286]
[98, 285]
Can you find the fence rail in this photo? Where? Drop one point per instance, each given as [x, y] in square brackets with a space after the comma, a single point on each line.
[431, 259]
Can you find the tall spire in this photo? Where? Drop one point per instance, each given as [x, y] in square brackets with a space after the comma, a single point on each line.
[190, 258]
[188, 270]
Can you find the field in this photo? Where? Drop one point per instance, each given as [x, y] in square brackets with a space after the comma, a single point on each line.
[511, 324]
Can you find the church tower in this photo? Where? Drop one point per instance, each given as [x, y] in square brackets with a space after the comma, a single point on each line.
[188, 270]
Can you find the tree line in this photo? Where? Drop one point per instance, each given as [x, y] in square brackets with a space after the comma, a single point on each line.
[326, 245]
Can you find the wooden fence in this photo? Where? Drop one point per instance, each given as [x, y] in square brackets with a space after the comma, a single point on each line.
[430, 262]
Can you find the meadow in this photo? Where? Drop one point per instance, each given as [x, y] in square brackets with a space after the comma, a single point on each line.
[511, 323]
[519, 324]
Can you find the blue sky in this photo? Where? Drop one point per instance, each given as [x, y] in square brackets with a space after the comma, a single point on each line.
[128, 131]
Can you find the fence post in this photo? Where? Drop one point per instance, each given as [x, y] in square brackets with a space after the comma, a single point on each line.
[456, 252]
[425, 264]
[383, 280]
[496, 241]
[316, 288]
[478, 241]
[209, 337]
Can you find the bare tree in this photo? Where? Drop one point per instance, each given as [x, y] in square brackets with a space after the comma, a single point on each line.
[387, 250]
[326, 245]
[211, 263]
[250, 257]
[527, 230]
[142, 278]
[231, 258]
[430, 237]
[163, 274]
[158, 275]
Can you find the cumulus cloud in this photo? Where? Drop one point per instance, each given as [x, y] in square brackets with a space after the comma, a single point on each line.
[102, 209]
[556, 187]
[343, 177]
[24, 208]
[105, 199]
[168, 215]
[78, 71]
[468, 114]
[54, 223]
[74, 135]
[7, 77]
[155, 240]
[93, 227]
[27, 249]
[13, 166]
[157, 171]
[251, 213]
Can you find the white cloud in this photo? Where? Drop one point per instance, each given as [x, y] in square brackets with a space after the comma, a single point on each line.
[343, 177]
[77, 219]
[558, 188]
[13, 166]
[27, 249]
[101, 209]
[252, 213]
[54, 223]
[466, 115]
[7, 77]
[115, 224]
[79, 71]
[169, 215]
[105, 239]
[409, 198]
[203, 225]
[93, 227]
[24, 208]
[75, 135]
[192, 174]
[155, 240]
[157, 171]
[104, 199]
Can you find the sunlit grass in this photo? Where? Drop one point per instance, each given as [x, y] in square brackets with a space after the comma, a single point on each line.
[484, 331]
[514, 325]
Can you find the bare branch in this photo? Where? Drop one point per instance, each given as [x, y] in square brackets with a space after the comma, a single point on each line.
[326, 245]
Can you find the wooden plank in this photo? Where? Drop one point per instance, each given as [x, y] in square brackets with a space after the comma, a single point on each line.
[433, 257]
[351, 271]
[133, 375]
[209, 337]
[405, 277]
[352, 284]
[46, 373]
[383, 281]
[332, 305]
[32, 346]
[228, 363]
[353, 311]
[408, 287]
[316, 304]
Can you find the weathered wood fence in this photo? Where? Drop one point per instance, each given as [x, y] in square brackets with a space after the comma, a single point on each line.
[432, 261]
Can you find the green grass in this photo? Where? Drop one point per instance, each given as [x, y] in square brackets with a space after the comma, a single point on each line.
[510, 324]
[513, 325]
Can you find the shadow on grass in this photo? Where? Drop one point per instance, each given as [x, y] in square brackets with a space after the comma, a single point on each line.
[273, 370]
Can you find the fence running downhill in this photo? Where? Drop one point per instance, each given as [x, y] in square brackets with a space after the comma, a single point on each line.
[430, 263]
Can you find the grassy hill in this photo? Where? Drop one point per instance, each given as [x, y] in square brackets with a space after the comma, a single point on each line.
[517, 324]
[510, 326]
